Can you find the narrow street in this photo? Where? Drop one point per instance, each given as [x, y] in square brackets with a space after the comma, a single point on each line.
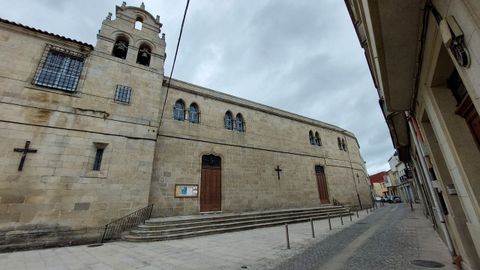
[391, 238]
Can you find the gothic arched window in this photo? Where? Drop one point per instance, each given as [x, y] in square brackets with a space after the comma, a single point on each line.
[120, 48]
[228, 120]
[318, 141]
[193, 113]
[144, 55]
[239, 123]
[311, 138]
[179, 110]
[339, 143]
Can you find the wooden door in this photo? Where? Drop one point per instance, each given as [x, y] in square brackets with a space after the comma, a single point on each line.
[322, 184]
[211, 184]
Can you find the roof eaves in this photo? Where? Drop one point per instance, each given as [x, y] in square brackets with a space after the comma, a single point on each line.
[45, 32]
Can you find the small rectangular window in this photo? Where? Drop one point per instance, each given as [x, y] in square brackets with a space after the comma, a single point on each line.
[98, 159]
[59, 69]
[123, 93]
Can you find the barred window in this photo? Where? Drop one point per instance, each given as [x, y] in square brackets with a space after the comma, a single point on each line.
[59, 69]
[123, 93]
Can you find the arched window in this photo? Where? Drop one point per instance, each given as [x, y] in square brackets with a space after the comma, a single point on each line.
[228, 120]
[144, 55]
[344, 145]
[339, 143]
[120, 47]
[239, 123]
[193, 113]
[179, 110]
[311, 138]
[138, 23]
[318, 141]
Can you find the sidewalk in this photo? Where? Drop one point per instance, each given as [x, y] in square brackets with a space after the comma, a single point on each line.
[254, 249]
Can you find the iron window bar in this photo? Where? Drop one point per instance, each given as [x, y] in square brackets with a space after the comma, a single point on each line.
[123, 94]
[59, 68]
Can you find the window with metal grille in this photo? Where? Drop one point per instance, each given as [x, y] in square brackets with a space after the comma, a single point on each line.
[98, 159]
[59, 68]
[123, 93]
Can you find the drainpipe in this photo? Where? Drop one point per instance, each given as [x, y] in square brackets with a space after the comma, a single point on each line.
[414, 132]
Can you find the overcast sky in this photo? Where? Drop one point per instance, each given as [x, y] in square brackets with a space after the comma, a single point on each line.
[301, 56]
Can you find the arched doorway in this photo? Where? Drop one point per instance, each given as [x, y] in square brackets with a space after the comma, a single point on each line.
[211, 184]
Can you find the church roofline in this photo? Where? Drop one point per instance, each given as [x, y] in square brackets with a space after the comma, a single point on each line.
[203, 91]
[45, 32]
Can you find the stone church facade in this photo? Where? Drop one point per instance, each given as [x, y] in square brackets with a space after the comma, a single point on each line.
[89, 134]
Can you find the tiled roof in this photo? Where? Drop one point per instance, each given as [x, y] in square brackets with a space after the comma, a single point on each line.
[45, 32]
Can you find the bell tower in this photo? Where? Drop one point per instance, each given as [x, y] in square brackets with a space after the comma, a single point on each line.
[133, 37]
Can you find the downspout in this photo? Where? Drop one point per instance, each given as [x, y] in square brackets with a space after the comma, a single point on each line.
[412, 124]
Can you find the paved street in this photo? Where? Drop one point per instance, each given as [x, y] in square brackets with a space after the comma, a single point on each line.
[389, 238]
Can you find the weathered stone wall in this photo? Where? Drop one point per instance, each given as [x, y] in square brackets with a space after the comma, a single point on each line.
[58, 198]
[249, 181]
[58, 190]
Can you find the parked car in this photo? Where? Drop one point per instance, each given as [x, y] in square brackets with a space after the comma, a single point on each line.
[378, 199]
[393, 199]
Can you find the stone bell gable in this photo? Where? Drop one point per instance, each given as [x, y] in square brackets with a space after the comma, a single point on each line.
[133, 36]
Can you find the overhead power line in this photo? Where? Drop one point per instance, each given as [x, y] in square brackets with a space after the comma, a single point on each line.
[174, 60]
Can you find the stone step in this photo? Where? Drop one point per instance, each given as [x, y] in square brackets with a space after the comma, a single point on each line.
[237, 219]
[219, 225]
[159, 229]
[196, 233]
[211, 217]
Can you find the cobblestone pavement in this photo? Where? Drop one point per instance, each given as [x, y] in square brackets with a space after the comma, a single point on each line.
[389, 239]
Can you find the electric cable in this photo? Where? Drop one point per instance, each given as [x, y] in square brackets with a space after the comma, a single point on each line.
[173, 64]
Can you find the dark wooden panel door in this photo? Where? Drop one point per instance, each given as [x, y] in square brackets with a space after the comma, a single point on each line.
[322, 184]
[211, 184]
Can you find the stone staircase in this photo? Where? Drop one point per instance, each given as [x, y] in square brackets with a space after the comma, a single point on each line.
[160, 229]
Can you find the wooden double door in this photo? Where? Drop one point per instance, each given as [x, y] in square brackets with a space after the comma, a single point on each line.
[211, 184]
[322, 184]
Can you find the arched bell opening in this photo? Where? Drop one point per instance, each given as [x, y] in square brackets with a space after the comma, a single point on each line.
[120, 48]
[144, 55]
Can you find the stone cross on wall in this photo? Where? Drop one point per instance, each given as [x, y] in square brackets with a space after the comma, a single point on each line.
[278, 170]
[25, 151]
